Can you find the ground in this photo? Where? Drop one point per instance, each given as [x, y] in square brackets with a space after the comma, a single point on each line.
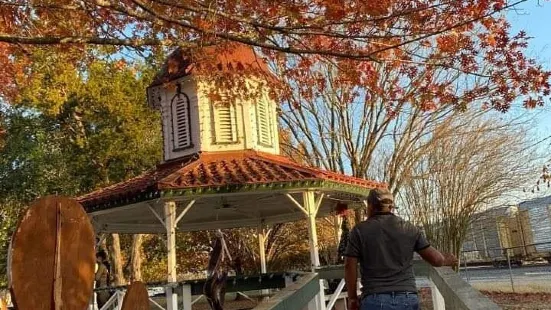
[230, 305]
[508, 301]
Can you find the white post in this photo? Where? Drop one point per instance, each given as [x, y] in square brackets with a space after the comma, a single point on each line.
[120, 298]
[262, 232]
[311, 206]
[262, 248]
[337, 222]
[186, 297]
[438, 302]
[170, 223]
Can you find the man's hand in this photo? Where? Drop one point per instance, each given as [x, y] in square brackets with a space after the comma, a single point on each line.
[353, 303]
[450, 260]
[437, 259]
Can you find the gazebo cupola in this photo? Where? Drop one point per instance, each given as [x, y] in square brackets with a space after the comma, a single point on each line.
[194, 122]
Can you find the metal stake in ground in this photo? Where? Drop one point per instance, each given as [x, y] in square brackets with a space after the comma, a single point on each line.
[58, 281]
[510, 270]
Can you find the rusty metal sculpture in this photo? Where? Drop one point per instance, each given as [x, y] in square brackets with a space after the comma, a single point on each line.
[51, 258]
[215, 286]
[136, 297]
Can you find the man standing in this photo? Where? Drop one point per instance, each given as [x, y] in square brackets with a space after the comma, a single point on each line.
[384, 245]
[103, 279]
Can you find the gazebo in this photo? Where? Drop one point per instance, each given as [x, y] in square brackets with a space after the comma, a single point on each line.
[222, 168]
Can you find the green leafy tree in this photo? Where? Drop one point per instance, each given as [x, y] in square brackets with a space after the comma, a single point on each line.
[73, 130]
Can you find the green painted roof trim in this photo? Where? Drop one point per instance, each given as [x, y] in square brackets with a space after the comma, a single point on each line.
[255, 188]
[227, 189]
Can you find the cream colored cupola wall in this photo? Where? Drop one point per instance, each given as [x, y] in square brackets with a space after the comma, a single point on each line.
[193, 123]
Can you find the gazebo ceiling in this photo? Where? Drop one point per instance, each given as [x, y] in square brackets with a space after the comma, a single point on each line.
[223, 173]
[213, 212]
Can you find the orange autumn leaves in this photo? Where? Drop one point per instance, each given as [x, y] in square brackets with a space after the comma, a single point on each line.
[408, 51]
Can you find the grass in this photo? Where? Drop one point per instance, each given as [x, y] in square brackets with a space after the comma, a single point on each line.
[534, 286]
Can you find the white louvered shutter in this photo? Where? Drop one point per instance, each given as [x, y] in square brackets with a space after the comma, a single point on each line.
[225, 123]
[264, 123]
[181, 122]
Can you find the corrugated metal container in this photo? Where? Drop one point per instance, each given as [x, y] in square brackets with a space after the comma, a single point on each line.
[539, 218]
[484, 234]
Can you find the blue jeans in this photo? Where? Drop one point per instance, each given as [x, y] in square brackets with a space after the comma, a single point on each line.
[390, 301]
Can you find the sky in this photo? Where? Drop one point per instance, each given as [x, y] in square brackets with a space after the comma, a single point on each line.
[535, 19]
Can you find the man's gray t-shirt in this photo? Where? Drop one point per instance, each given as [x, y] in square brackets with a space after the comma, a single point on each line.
[384, 245]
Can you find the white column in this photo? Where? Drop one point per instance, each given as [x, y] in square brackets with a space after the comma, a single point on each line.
[262, 234]
[262, 248]
[170, 223]
[337, 221]
[311, 207]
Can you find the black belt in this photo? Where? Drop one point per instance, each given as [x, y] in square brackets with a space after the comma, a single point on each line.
[396, 293]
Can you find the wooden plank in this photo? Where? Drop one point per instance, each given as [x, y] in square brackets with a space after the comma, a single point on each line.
[295, 296]
[457, 293]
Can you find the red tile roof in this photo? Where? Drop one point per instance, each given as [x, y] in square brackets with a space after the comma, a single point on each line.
[218, 169]
[226, 58]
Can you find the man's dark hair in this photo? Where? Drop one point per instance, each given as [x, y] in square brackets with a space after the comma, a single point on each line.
[101, 254]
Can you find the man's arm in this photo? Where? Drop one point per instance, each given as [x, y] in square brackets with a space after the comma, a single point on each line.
[351, 277]
[433, 256]
[352, 253]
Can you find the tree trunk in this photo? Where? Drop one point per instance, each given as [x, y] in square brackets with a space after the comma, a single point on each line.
[116, 256]
[136, 258]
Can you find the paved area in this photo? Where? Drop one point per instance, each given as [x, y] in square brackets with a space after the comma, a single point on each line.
[520, 273]
[525, 279]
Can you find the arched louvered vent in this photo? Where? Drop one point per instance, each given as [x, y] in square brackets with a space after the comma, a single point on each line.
[181, 124]
[224, 123]
[264, 123]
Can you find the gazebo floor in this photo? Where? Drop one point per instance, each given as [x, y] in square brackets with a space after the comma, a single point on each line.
[230, 303]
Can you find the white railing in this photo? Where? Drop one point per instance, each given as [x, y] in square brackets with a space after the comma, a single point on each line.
[115, 302]
[302, 294]
[298, 289]
[449, 290]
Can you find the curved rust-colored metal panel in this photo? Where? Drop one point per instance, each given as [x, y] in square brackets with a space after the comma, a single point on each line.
[52, 257]
[136, 297]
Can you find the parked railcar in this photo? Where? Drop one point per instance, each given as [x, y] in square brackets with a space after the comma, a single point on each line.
[537, 216]
[521, 233]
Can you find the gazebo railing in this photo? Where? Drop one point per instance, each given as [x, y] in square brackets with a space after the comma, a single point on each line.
[299, 290]
[448, 289]
[115, 302]
[187, 289]
[296, 296]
